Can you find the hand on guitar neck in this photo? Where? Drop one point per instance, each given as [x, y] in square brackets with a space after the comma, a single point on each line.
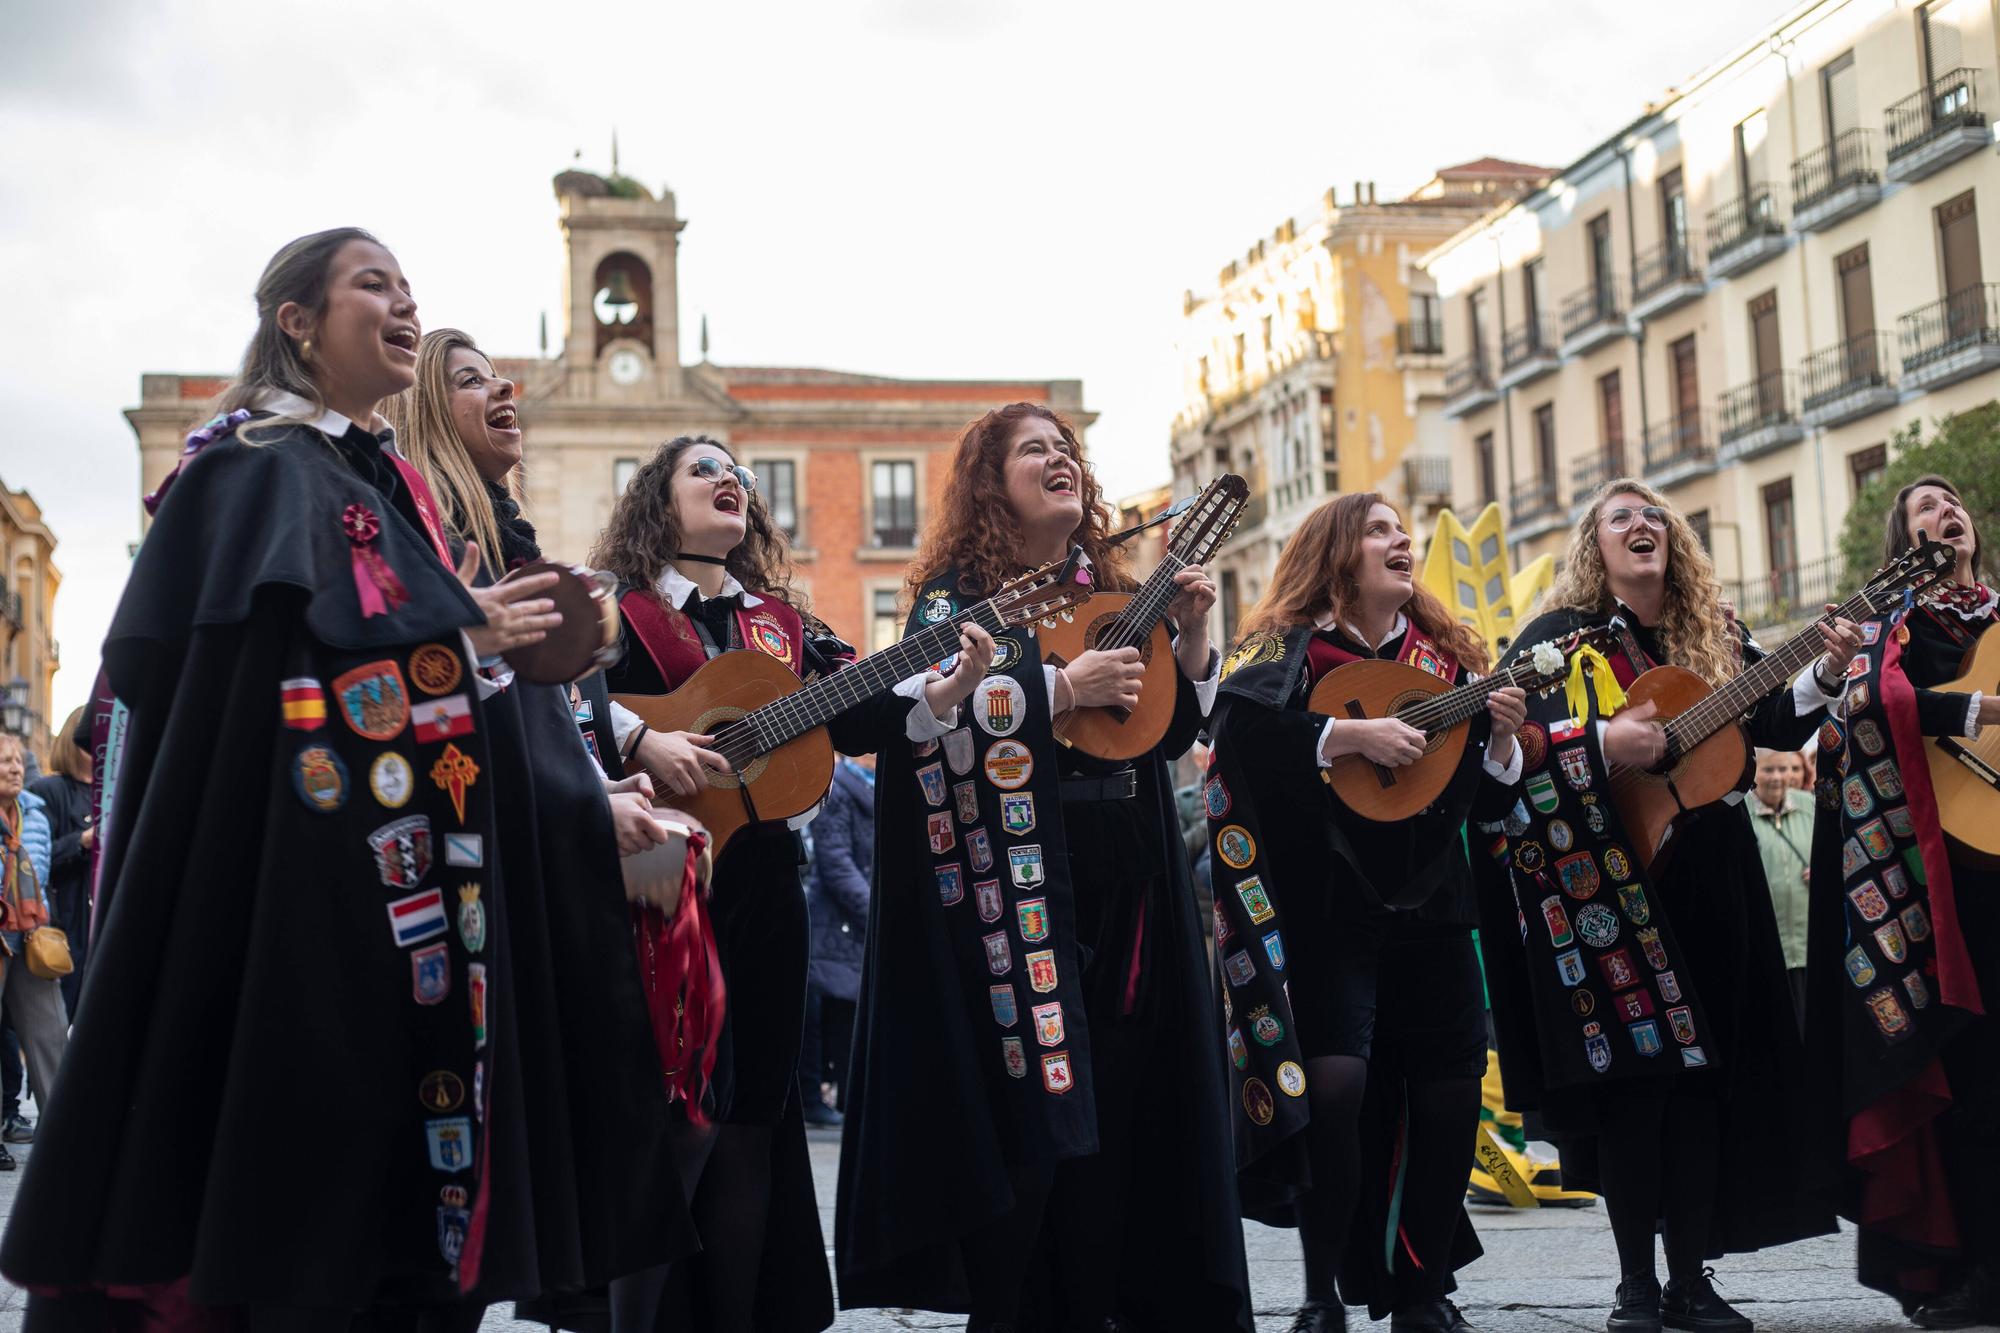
[975, 655]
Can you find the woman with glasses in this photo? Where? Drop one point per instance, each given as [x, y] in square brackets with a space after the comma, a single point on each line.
[703, 570]
[1648, 1016]
[1904, 947]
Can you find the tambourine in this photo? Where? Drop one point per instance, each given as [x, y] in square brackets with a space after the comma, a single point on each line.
[587, 639]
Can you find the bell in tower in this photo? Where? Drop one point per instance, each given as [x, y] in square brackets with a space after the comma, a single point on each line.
[622, 313]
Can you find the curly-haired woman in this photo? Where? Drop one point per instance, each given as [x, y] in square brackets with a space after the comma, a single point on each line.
[1648, 1015]
[1035, 1128]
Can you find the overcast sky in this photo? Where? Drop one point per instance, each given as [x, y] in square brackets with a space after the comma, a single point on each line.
[906, 187]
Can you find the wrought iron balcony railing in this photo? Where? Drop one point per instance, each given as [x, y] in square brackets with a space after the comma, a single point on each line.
[1848, 160]
[1967, 318]
[1862, 362]
[1527, 340]
[1532, 500]
[1683, 441]
[1599, 303]
[1744, 219]
[1427, 478]
[1420, 337]
[1467, 375]
[1950, 100]
[1660, 267]
[1587, 474]
[1769, 400]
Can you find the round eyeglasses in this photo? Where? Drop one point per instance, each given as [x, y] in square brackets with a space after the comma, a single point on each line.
[710, 468]
[1622, 519]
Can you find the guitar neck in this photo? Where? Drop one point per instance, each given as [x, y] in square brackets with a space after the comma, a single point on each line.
[1147, 608]
[1441, 712]
[1741, 694]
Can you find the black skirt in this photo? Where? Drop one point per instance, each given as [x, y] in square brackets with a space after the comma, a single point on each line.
[763, 936]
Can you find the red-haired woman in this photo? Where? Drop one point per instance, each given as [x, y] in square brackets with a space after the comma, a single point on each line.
[1904, 944]
[1035, 1131]
[1351, 991]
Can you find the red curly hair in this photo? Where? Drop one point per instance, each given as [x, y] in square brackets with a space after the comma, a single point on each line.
[972, 533]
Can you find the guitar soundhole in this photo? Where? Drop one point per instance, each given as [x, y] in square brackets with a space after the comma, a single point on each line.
[708, 724]
[1410, 699]
[1145, 646]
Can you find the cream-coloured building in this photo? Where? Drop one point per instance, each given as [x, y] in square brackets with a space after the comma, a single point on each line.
[1743, 294]
[29, 657]
[1315, 366]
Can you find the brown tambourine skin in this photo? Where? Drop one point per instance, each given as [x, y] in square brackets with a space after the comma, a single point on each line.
[588, 635]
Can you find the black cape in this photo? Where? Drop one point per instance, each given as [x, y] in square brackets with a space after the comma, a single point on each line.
[1623, 975]
[941, 1101]
[281, 1089]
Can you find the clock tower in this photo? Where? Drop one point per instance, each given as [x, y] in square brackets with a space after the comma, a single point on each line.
[621, 304]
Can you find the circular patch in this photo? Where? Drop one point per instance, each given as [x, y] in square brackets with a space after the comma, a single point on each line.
[441, 1091]
[320, 778]
[452, 1196]
[1582, 1002]
[1009, 765]
[999, 705]
[1259, 648]
[1291, 1079]
[1529, 856]
[1006, 652]
[938, 607]
[1560, 836]
[1598, 925]
[1617, 864]
[1257, 1102]
[1593, 814]
[1235, 846]
[1869, 737]
[1534, 743]
[1215, 797]
[389, 777]
[434, 669]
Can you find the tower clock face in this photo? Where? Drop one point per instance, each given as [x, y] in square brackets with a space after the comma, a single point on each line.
[626, 367]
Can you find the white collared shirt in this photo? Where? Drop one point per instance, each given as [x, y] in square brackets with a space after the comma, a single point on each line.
[675, 587]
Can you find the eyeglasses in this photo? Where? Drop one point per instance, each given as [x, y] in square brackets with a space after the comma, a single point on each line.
[1621, 519]
[710, 468]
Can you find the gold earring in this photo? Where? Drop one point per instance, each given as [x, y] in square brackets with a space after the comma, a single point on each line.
[305, 349]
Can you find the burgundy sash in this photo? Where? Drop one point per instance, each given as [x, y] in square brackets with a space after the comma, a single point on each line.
[671, 640]
[1323, 655]
[427, 509]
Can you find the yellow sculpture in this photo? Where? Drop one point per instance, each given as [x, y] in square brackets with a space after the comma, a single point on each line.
[1467, 569]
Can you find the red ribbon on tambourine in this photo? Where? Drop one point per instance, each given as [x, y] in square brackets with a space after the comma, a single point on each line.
[587, 639]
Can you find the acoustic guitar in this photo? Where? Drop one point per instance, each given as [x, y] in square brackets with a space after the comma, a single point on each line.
[1137, 620]
[1965, 773]
[1708, 751]
[1434, 706]
[772, 728]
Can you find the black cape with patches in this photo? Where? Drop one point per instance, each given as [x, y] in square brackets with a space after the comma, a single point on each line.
[1270, 808]
[1688, 992]
[244, 1101]
[935, 1118]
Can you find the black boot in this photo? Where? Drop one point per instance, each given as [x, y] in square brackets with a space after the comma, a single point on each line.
[1439, 1316]
[1320, 1317]
[1692, 1303]
[1970, 1302]
[1637, 1308]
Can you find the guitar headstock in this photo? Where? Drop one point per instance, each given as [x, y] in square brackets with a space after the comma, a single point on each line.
[1912, 571]
[1039, 594]
[1209, 521]
[1546, 665]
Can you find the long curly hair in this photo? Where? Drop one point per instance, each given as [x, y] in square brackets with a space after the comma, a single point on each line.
[428, 437]
[1316, 576]
[972, 529]
[643, 537]
[1693, 629]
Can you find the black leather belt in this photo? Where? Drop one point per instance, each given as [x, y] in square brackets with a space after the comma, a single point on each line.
[1119, 786]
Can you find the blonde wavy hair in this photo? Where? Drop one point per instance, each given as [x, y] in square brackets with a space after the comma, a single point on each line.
[1694, 630]
[427, 436]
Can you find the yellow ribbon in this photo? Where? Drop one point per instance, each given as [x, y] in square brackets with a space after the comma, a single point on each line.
[1610, 698]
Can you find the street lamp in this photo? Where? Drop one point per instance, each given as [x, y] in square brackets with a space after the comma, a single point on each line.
[14, 707]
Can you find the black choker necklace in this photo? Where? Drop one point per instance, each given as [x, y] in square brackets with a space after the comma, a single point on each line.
[701, 559]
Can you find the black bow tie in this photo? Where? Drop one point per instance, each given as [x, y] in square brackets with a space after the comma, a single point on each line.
[714, 612]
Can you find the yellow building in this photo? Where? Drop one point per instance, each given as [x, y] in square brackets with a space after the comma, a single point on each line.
[1742, 295]
[1315, 366]
[27, 610]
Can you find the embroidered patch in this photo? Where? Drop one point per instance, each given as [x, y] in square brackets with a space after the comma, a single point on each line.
[450, 1143]
[1896, 882]
[1056, 1076]
[1598, 925]
[434, 669]
[957, 750]
[1239, 1054]
[1575, 762]
[979, 848]
[443, 719]
[1215, 798]
[417, 918]
[1031, 915]
[768, 636]
[1693, 1057]
[1593, 814]
[1889, 939]
[999, 705]
[1560, 835]
[1868, 901]
[1005, 1013]
[1857, 697]
[1632, 902]
[320, 779]
[1891, 1019]
[1870, 632]
[1618, 970]
[1557, 920]
[1650, 945]
[951, 884]
[1048, 1021]
[1255, 650]
[1577, 874]
[1617, 864]
[430, 974]
[1006, 652]
[1024, 865]
[454, 773]
[939, 830]
[1291, 1079]
[1528, 855]
[1235, 846]
[1534, 743]
[402, 851]
[471, 918]
[965, 799]
[1829, 735]
[452, 1226]
[1916, 924]
[1009, 765]
[1542, 792]
[1238, 968]
[1645, 1037]
[1852, 858]
[1670, 987]
[1569, 966]
[999, 953]
[1887, 779]
[475, 1000]
[1597, 1048]
[1860, 970]
[1897, 817]
[1874, 836]
[302, 703]
[465, 849]
[937, 607]
[1582, 1002]
[1257, 1102]
[390, 778]
[1015, 1057]
[1274, 949]
[1255, 901]
[1918, 989]
[1264, 1026]
[930, 778]
[1042, 971]
[373, 700]
[1017, 813]
[1633, 1004]
[1868, 736]
[986, 897]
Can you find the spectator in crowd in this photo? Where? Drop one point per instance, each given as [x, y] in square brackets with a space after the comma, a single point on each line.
[1781, 815]
[1802, 777]
[65, 794]
[35, 1004]
[837, 894]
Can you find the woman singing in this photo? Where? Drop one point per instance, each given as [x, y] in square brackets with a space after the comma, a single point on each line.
[1352, 999]
[1648, 1016]
[1905, 947]
[1035, 1129]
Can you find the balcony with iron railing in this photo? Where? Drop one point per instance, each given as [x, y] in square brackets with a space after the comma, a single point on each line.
[1679, 450]
[1746, 231]
[1420, 337]
[1593, 316]
[1760, 416]
[1935, 126]
[1528, 352]
[1847, 381]
[1666, 277]
[1534, 503]
[1950, 340]
[1427, 479]
[1835, 181]
[1781, 601]
[1588, 473]
[1468, 385]
[11, 608]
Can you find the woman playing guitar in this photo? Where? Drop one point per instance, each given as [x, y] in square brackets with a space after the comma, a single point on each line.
[1905, 948]
[1034, 1048]
[1352, 994]
[702, 570]
[1648, 1016]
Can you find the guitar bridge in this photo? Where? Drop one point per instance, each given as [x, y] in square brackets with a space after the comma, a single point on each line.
[1982, 770]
